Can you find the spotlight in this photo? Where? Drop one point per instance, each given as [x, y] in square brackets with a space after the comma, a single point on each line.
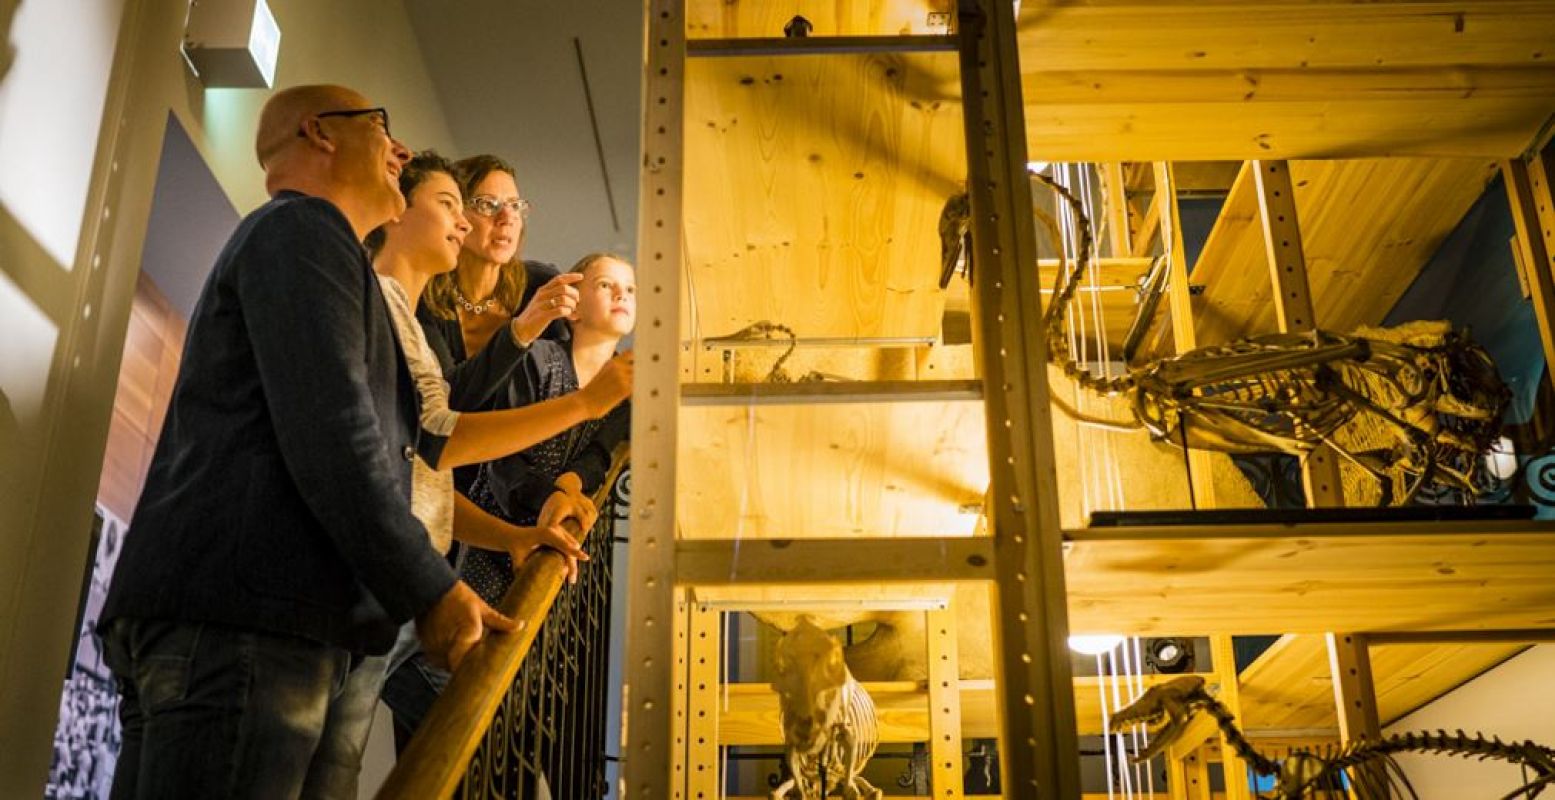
[1501, 461]
[1169, 655]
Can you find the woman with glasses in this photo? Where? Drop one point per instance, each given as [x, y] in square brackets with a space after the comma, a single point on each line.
[492, 288]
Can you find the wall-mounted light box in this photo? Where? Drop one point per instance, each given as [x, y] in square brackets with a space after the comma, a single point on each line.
[232, 44]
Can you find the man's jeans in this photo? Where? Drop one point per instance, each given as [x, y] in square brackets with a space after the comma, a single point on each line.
[212, 711]
[412, 687]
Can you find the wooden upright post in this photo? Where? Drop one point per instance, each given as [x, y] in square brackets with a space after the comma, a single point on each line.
[1355, 698]
[1293, 303]
[1533, 217]
[1039, 756]
[1235, 769]
[1115, 203]
[1179, 298]
[704, 646]
[648, 732]
[945, 768]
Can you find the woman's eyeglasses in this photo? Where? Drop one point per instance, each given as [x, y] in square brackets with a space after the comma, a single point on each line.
[487, 206]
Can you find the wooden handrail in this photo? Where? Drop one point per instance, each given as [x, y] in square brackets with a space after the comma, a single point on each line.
[440, 752]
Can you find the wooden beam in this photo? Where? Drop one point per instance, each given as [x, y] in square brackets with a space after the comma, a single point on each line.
[1293, 307]
[1039, 753]
[818, 45]
[826, 392]
[718, 562]
[1236, 771]
[944, 692]
[1517, 636]
[1180, 301]
[651, 737]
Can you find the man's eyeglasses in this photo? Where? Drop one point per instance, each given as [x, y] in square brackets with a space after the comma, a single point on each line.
[382, 115]
[487, 206]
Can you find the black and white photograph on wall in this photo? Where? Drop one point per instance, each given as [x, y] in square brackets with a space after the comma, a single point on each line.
[86, 740]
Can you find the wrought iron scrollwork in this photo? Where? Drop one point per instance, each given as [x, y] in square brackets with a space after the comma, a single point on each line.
[548, 735]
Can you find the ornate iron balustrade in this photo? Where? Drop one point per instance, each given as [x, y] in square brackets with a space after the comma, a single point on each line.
[530, 703]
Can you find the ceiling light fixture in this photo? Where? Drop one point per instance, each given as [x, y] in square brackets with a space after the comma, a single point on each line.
[232, 44]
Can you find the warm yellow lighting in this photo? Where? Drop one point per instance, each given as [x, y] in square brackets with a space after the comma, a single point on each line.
[1094, 644]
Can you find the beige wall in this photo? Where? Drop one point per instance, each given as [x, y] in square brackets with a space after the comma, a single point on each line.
[62, 329]
[1512, 701]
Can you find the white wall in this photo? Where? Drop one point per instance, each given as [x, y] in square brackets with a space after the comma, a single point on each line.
[83, 108]
[1512, 701]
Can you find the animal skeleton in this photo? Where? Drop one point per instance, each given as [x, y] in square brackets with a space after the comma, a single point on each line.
[1434, 395]
[829, 726]
[1366, 766]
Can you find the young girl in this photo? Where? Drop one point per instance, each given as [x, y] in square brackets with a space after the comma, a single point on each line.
[515, 487]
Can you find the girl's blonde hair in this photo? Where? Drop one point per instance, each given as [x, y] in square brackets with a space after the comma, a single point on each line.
[589, 260]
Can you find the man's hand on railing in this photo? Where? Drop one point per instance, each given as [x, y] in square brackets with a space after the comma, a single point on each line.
[527, 540]
[457, 623]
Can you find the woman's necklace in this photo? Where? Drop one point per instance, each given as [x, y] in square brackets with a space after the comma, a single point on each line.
[474, 308]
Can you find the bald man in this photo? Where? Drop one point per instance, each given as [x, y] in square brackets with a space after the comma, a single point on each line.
[273, 554]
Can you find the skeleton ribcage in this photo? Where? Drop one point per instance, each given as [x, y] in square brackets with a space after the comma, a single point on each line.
[858, 716]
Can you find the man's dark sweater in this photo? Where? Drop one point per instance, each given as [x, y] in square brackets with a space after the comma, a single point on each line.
[278, 496]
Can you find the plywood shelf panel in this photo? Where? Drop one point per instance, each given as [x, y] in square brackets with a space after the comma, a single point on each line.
[814, 192]
[1313, 578]
[831, 471]
[1188, 34]
[1194, 81]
